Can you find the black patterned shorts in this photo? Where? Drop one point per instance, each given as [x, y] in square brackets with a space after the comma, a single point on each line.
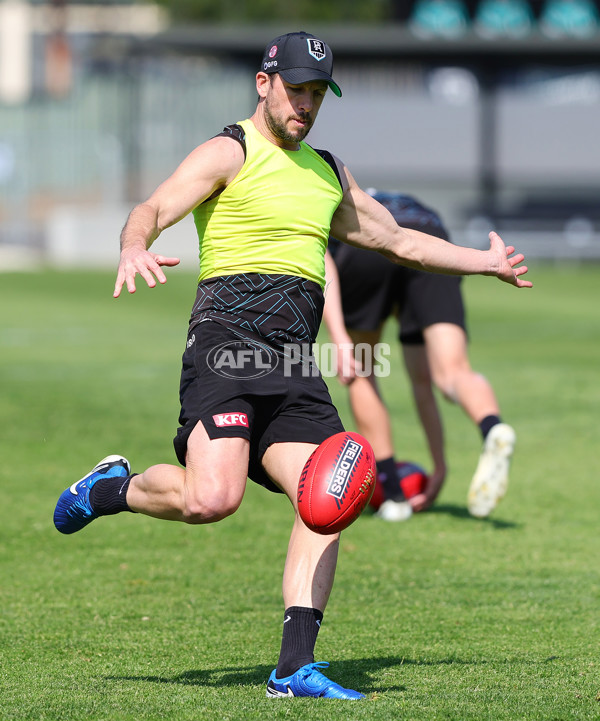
[239, 375]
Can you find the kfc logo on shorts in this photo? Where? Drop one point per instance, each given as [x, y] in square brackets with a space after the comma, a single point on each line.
[230, 419]
[316, 48]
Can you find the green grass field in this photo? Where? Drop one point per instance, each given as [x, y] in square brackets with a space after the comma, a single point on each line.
[444, 617]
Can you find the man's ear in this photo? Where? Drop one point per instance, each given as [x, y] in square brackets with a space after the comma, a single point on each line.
[263, 81]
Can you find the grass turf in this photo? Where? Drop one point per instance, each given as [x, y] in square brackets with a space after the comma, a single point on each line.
[444, 617]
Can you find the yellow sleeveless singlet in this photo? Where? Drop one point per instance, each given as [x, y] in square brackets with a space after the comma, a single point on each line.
[274, 217]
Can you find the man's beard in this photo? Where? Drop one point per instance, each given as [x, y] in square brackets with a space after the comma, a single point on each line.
[280, 130]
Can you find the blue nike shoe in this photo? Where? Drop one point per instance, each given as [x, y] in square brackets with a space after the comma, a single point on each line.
[73, 510]
[308, 681]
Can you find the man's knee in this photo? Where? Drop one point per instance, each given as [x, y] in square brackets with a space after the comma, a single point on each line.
[445, 381]
[215, 476]
[455, 381]
[212, 498]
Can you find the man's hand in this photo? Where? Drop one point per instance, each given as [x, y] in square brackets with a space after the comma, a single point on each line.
[435, 481]
[147, 264]
[506, 268]
[347, 365]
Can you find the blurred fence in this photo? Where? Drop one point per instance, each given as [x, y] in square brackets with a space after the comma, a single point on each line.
[71, 169]
[111, 141]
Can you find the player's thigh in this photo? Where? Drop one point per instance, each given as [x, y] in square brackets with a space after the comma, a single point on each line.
[284, 463]
[369, 337]
[217, 468]
[364, 342]
[416, 362]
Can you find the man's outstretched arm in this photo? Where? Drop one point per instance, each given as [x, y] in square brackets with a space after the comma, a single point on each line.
[362, 221]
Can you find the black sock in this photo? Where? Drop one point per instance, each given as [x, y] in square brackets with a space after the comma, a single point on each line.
[300, 628]
[487, 424]
[388, 475]
[108, 495]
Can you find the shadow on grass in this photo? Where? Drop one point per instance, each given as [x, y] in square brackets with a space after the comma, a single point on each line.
[462, 512]
[356, 673]
[457, 512]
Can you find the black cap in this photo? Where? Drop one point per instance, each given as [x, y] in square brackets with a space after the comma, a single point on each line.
[300, 58]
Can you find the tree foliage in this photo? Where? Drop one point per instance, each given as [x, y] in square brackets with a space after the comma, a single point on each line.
[240, 11]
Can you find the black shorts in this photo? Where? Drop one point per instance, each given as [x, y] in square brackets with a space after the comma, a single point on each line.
[239, 385]
[373, 288]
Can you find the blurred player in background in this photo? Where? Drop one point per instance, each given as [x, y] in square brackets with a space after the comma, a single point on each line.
[364, 290]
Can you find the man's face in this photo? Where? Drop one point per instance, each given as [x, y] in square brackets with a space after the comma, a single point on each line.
[290, 110]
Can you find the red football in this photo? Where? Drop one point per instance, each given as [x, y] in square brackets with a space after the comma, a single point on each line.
[412, 481]
[336, 483]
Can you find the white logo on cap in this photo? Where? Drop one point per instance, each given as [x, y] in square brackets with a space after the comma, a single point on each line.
[316, 48]
[273, 51]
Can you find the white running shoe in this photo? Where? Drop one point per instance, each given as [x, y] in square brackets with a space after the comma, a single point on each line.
[395, 510]
[490, 481]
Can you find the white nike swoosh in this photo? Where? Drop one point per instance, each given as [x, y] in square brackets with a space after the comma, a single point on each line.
[287, 618]
[280, 694]
[73, 488]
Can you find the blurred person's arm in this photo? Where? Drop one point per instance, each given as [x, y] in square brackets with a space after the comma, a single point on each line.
[417, 368]
[333, 317]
